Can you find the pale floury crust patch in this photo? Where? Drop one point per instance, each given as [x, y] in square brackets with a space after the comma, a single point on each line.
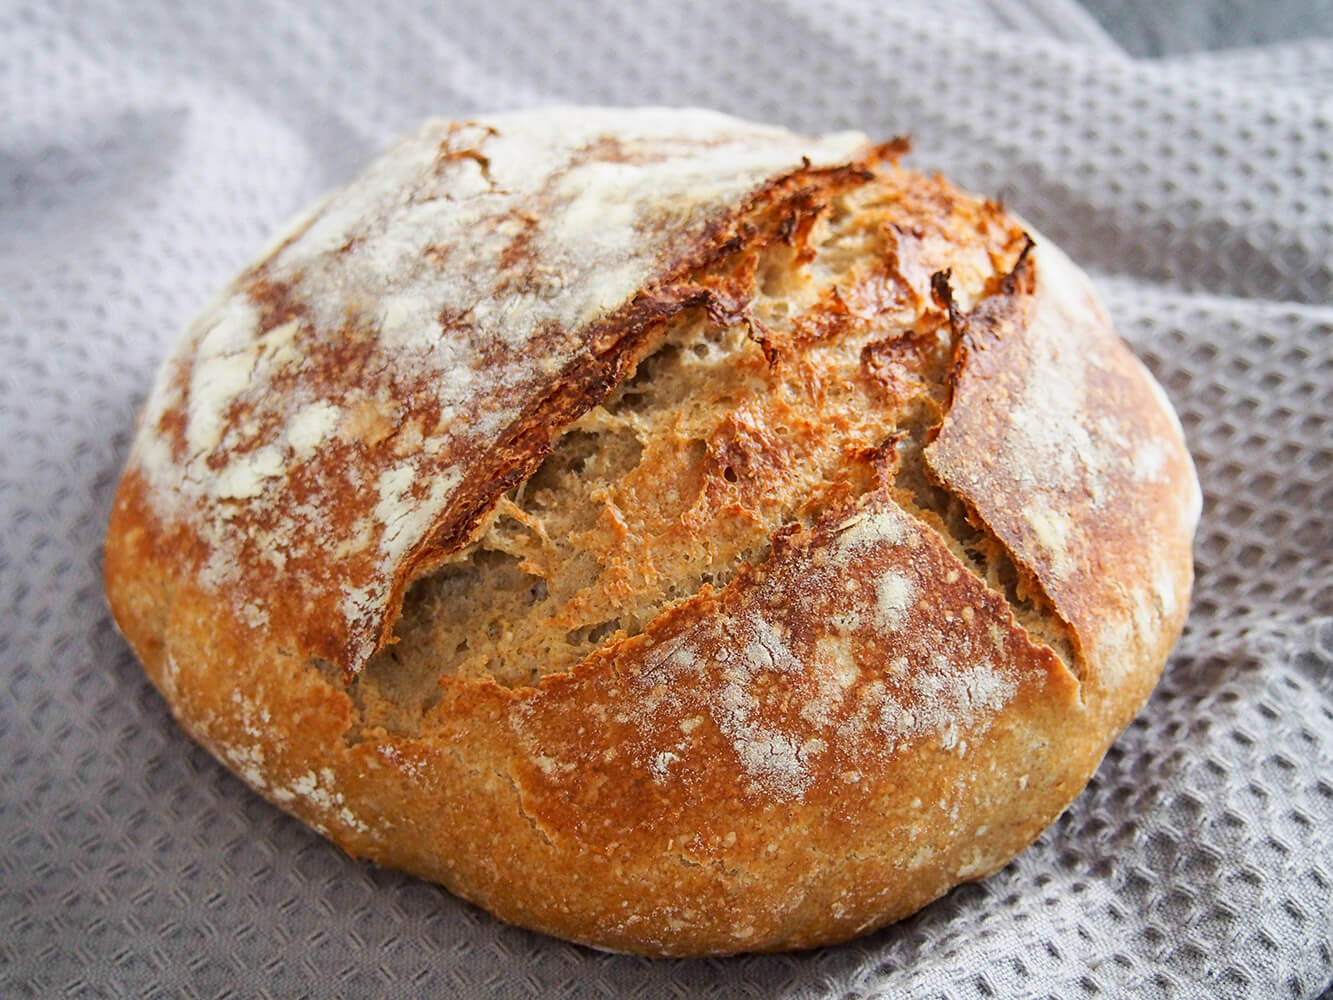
[434, 297]
[783, 706]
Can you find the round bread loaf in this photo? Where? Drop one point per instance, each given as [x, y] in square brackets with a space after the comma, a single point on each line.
[673, 534]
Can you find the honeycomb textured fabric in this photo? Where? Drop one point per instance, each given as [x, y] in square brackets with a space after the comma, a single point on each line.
[147, 157]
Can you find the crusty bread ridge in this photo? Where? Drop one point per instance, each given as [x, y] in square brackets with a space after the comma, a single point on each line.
[673, 534]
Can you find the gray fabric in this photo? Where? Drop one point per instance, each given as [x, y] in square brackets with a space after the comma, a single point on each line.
[146, 152]
[1153, 28]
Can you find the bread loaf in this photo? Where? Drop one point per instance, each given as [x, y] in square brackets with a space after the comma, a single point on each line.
[670, 533]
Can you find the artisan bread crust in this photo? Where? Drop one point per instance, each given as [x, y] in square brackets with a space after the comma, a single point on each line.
[835, 739]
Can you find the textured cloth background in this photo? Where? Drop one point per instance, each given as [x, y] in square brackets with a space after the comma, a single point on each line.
[147, 151]
[1152, 28]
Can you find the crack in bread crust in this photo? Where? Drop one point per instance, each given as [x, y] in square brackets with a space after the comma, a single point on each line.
[795, 699]
[1059, 446]
[820, 381]
[340, 418]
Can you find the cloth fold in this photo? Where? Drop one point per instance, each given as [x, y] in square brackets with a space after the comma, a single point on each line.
[147, 151]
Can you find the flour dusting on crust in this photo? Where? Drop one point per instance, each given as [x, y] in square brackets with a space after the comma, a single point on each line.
[1068, 450]
[788, 703]
[321, 419]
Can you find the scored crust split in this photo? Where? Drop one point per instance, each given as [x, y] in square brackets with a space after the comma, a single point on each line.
[671, 533]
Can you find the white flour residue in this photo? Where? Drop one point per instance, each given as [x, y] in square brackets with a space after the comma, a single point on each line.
[223, 361]
[405, 518]
[865, 530]
[1052, 530]
[766, 753]
[781, 705]
[319, 791]
[673, 682]
[1164, 586]
[895, 594]
[1047, 447]
[946, 697]
[1150, 460]
[835, 674]
[311, 426]
[466, 260]
[358, 606]
[1055, 444]
[244, 478]
[764, 647]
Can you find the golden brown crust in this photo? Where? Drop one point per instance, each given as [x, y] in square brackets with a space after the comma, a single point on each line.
[555, 806]
[827, 744]
[361, 395]
[1061, 444]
